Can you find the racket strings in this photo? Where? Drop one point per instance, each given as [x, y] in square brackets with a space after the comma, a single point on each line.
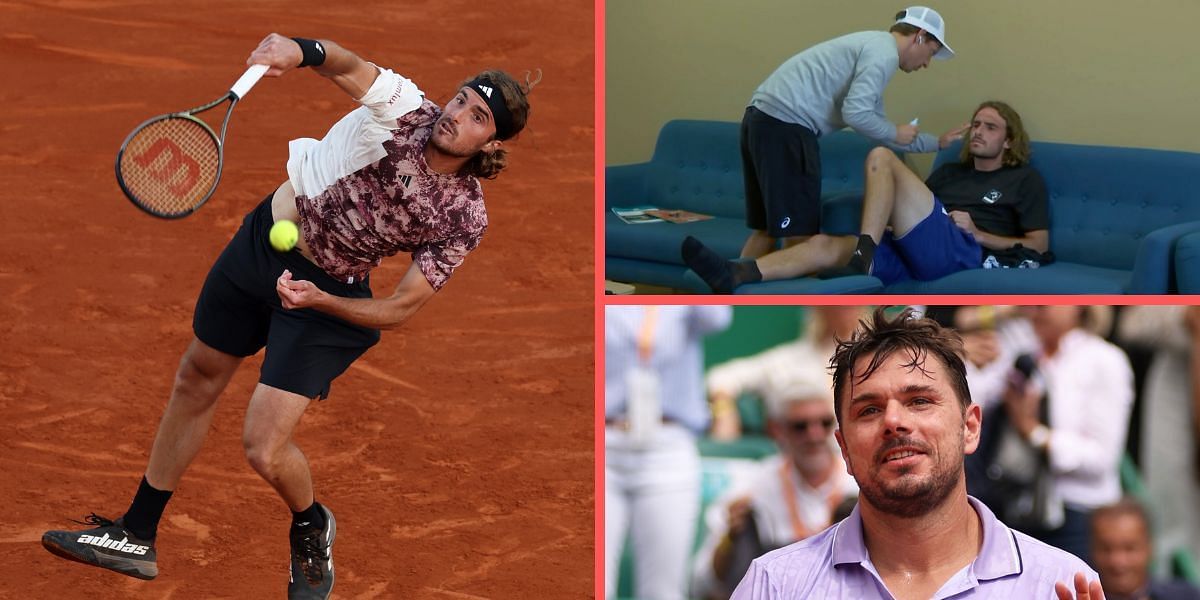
[171, 166]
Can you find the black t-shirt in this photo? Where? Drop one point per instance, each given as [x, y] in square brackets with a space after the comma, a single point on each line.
[1010, 201]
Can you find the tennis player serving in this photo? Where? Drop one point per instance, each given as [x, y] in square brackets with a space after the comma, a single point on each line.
[397, 174]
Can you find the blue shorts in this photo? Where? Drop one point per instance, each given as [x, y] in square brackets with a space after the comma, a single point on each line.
[936, 247]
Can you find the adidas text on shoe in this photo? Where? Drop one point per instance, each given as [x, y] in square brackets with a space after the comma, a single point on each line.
[312, 561]
[107, 545]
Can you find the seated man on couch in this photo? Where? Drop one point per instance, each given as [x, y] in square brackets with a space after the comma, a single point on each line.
[989, 210]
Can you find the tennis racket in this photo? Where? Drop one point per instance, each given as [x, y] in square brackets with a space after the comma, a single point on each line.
[171, 164]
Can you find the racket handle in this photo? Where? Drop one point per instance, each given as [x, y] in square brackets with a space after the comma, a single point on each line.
[247, 80]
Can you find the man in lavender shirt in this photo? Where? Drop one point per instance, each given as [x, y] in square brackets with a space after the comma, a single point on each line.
[905, 423]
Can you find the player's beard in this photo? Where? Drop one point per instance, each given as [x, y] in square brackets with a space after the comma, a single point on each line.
[911, 497]
[986, 155]
[449, 148]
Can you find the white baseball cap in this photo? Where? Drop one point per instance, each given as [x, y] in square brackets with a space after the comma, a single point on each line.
[928, 19]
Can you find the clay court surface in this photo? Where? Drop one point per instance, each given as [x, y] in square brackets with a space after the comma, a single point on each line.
[457, 454]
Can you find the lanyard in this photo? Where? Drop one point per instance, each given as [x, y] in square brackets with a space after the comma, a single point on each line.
[645, 341]
[799, 531]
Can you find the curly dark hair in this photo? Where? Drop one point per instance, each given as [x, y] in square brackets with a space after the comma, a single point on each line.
[487, 165]
[881, 338]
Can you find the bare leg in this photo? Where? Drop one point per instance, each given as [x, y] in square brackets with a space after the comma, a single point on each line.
[758, 244]
[816, 253]
[796, 240]
[801, 255]
[202, 376]
[895, 196]
[270, 420]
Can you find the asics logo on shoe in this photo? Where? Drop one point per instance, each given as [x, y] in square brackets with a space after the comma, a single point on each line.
[112, 544]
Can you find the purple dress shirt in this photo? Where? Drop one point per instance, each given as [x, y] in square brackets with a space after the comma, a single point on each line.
[835, 564]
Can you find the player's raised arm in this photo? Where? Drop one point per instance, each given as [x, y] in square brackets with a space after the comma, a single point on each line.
[351, 73]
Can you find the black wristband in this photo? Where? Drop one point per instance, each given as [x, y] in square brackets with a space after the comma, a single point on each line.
[314, 52]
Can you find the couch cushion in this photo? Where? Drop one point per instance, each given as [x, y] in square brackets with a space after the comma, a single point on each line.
[1058, 278]
[697, 166]
[858, 284]
[843, 163]
[1104, 199]
[660, 242]
[1187, 264]
[653, 273]
[841, 214]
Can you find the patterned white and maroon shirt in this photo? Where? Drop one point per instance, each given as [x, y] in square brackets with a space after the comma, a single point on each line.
[365, 192]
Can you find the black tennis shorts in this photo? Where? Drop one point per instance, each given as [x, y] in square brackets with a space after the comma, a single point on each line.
[239, 312]
[781, 163]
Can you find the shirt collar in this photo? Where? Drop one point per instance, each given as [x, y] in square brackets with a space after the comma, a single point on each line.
[998, 554]
[848, 544]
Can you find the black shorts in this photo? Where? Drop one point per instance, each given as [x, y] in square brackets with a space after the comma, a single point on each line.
[239, 312]
[781, 163]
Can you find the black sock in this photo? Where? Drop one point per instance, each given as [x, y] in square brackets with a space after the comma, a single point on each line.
[745, 271]
[864, 253]
[859, 263]
[310, 518]
[144, 513]
[714, 270]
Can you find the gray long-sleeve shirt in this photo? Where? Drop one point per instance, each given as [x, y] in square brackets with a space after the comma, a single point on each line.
[837, 84]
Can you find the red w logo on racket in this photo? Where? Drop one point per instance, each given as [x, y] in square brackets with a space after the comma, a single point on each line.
[171, 167]
[171, 164]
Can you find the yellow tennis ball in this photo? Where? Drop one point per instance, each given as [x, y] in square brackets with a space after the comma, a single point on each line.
[284, 235]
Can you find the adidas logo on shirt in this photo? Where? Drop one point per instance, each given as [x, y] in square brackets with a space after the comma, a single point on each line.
[112, 544]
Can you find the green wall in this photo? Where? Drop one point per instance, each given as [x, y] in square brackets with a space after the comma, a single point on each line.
[754, 329]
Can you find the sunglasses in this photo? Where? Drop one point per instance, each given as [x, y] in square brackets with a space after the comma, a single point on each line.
[801, 427]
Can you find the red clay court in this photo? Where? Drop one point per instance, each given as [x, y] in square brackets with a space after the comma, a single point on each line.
[457, 454]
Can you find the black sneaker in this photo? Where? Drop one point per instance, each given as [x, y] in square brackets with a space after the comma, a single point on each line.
[108, 545]
[312, 561]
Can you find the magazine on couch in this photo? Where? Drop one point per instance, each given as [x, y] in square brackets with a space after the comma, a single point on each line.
[652, 214]
[678, 216]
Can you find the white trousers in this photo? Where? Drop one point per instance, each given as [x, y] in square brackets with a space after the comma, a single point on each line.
[653, 496]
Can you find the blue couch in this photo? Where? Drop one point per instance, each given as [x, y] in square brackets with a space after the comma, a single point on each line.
[697, 166]
[1116, 215]
[1187, 263]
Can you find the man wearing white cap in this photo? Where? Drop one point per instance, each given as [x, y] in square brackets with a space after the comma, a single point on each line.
[830, 86]
[793, 495]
